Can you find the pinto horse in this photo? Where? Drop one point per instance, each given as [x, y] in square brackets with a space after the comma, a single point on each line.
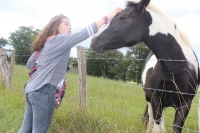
[171, 74]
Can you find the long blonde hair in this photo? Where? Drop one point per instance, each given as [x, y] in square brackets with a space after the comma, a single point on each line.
[50, 29]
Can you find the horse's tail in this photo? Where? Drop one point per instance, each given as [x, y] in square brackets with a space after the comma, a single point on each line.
[145, 117]
[198, 73]
[198, 76]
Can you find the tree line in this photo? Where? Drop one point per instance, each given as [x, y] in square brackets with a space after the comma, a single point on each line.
[112, 64]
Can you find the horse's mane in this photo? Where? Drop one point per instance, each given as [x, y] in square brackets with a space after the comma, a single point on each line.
[153, 8]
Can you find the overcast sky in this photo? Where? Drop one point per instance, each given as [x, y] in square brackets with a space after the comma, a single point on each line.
[37, 13]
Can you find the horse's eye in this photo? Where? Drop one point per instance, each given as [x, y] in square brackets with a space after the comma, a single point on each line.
[122, 18]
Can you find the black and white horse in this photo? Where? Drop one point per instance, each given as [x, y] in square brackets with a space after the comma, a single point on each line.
[171, 70]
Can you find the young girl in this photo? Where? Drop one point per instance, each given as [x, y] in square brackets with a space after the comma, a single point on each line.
[54, 44]
[60, 88]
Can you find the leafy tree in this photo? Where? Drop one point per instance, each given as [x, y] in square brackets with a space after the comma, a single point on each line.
[96, 66]
[116, 69]
[106, 65]
[3, 42]
[124, 67]
[73, 62]
[114, 65]
[21, 40]
[138, 55]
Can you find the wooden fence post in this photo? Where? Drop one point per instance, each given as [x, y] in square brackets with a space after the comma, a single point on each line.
[12, 63]
[82, 76]
[4, 70]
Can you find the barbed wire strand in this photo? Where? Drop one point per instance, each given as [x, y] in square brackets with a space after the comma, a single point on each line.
[169, 60]
[140, 87]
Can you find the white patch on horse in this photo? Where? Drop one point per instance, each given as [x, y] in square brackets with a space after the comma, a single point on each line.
[160, 128]
[163, 130]
[164, 25]
[151, 120]
[189, 54]
[101, 30]
[156, 128]
[151, 63]
[160, 24]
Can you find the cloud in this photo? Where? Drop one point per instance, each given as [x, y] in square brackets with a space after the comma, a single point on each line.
[37, 13]
[190, 25]
[11, 22]
[73, 52]
[25, 12]
[176, 5]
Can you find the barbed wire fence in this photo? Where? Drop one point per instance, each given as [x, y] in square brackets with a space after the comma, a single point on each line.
[83, 99]
[124, 111]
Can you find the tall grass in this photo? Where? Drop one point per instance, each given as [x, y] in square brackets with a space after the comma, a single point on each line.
[113, 107]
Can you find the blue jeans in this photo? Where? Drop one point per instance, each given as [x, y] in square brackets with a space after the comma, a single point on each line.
[40, 105]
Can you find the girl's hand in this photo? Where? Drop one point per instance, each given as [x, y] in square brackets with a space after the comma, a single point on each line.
[112, 14]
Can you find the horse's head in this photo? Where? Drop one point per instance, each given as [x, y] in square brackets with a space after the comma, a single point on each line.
[128, 28]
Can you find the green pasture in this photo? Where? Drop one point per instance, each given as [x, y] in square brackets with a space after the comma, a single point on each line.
[112, 107]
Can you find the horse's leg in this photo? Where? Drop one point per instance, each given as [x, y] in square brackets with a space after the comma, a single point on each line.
[157, 114]
[180, 116]
[163, 130]
[151, 120]
[145, 117]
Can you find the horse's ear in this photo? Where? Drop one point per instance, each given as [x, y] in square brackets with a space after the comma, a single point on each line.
[143, 4]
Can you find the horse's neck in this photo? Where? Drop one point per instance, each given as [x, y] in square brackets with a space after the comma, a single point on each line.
[164, 33]
[165, 47]
[162, 24]
[167, 42]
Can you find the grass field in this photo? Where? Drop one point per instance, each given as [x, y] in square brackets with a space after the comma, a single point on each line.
[113, 107]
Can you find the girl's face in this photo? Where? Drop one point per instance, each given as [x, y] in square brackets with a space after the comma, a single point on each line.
[64, 27]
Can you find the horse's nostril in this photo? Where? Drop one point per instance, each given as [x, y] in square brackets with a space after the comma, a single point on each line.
[91, 44]
[92, 41]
